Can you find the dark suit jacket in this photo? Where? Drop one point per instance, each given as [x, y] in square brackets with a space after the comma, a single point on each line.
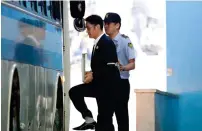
[105, 52]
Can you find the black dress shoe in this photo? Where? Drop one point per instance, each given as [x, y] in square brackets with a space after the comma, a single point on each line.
[86, 126]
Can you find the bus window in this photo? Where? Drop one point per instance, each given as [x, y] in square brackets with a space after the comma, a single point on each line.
[51, 10]
[29, 5]
[24, 3]
[48, 6]
[15, 2]
[55, 10]
[34, 6]
[20, 2]
[39, 4]
[44, 8]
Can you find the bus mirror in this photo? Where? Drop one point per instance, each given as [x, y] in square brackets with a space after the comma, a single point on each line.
[79, 24]
[77, 8]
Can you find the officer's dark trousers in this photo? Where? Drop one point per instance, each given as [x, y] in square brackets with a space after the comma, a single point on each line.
[121, 110]
[105, 95]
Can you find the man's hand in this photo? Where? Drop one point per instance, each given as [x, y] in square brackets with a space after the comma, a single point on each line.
[88, 77]
[129, 66]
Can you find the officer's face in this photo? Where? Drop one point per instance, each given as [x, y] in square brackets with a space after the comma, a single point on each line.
[111, 28]
[91, 30]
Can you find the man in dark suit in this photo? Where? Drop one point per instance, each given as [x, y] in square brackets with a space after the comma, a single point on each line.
[101, 82]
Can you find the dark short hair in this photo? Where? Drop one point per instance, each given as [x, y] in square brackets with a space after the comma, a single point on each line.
[95, 20]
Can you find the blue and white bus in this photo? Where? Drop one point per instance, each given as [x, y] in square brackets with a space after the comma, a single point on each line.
[31, 66]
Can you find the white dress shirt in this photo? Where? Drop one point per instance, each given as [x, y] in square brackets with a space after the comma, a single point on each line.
[96, 41]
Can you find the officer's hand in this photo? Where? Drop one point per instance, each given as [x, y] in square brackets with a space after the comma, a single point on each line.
[121, 68]
[88, 77]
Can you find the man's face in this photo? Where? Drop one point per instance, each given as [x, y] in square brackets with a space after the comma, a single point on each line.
[111, 27]
[91, 30]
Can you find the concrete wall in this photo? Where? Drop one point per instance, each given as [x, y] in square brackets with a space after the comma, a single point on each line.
[184, 56]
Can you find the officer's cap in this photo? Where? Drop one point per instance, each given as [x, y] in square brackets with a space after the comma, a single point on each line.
[112, 17]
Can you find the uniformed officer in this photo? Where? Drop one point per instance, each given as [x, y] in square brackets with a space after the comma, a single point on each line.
[126, 57]
[101, 83]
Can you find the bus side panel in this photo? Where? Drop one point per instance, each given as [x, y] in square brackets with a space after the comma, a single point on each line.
[24, 94]
[41, 98]
[38, 92]
[37, 50]
[51, 94]
[38, 96]
[30, 40]
[5, 94]
[32, 97]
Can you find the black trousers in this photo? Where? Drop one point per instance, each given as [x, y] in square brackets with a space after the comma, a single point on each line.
[121, 109]
[104, 92]
[112, 97]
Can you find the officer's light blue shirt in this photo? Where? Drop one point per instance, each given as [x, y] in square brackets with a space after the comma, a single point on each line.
[125, 52]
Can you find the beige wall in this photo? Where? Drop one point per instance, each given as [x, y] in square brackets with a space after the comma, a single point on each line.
[152, 113]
